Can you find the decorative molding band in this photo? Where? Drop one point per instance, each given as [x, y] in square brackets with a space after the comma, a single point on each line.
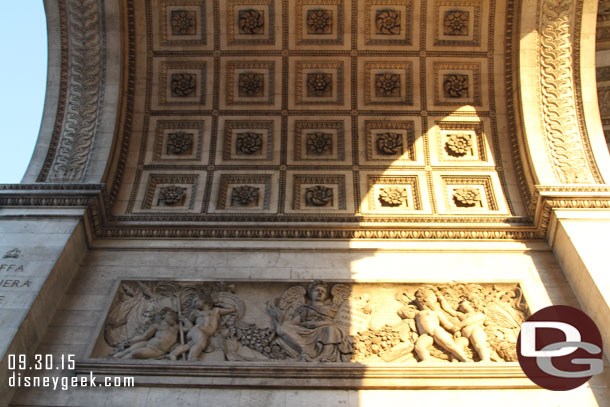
[81, 91]
[558, 47]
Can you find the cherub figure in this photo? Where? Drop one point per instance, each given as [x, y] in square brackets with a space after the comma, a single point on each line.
[201, 324]
[431, 324]
[471, 327]
[156, 341]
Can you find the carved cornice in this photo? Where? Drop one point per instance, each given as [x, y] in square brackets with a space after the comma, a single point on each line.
[81, 90]
[558, 51]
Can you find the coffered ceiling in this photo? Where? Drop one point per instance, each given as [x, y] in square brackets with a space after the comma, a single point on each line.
[320, 111]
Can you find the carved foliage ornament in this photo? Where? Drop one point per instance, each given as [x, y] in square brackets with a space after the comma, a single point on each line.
[387, 85]
[455, 86]
[319, 84]
[318, 195]
[389, 143]
[459, 145]
[387, 22]
[456, 23]
[251, 84]
[183, 84]
[319, 21]
[393, 196]
[248, 143]
[172, 195]
[317, 322]
[183, 22]
[560, 120]
[179, 143]
[467, 197]
[244, 195]
[84, 93]
[319, 143]
[251, 22]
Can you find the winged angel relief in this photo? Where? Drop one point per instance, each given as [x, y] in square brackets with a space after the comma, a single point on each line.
[315, 322]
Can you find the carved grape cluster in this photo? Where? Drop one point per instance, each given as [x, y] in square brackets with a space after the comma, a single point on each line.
[387, 85]
[248, 143]
[458, 144]
[318, 195]
[466, 197]
[319, 143]
[183, 22]
[244, 195]
[393, 196]
[183, 84]
[387, 22]
[261, 340]
[172, 194]
[251, 84]
[251, 22]
[179, 143]
[319, 21]
[374, 342]
[456, 23]
[389, 143]
[456, 86]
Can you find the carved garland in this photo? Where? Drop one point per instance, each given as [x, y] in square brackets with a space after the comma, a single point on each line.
[85, 89]
[561, 125]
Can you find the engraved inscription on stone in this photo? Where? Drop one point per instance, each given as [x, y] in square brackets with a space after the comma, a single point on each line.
[11, 268]
[313, 322]
[12, 254]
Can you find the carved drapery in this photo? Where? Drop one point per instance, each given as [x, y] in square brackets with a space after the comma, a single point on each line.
[81, 96]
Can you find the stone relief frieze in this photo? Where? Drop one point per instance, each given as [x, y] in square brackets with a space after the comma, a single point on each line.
[313, 322]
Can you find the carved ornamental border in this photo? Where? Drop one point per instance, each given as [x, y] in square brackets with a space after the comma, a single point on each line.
[81, 91]
[558, 23]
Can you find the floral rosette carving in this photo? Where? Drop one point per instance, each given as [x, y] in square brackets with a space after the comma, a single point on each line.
[172, 194]
[387, 22]
[179, 143]
[459, 145]
[456, 22]
[387, 85]
[467, 197]
[393, 196]
[318, 84]
[183, 22]
[319, 143]
[248, 143]
[319, 22]
[318, 195]
[456, 86]
[251, 84]
[251, 22]
[183, 84]
[244, 195]
[389, 143]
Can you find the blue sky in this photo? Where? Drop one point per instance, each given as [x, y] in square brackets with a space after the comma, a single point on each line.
[23, 75]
